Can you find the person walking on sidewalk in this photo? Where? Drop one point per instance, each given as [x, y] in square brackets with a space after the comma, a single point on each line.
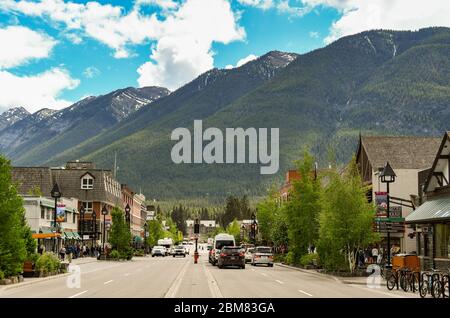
[374, 255]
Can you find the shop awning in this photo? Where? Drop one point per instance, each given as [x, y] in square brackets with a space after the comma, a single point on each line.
[69, 235]
[138, 239]
[76, 236]
[45, 235]
[431, 211]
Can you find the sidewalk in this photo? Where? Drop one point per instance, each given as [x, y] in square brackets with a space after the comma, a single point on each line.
[34, 280]
[343, 280]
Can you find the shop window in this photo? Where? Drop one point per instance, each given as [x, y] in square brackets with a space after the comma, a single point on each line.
[42, 212]
[441, 239]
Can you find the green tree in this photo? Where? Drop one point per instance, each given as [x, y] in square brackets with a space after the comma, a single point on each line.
[155, 232]
[279, 232]
[234, 229]
[267, 213]
[302, 210]
[13, 247]
[346, 219]
[120, 235]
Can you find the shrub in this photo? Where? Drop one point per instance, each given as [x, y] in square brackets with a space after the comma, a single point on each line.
[48, 263]
[2, 275]
[279, 258]
[309, 259]
[290, 258]
[114, 254]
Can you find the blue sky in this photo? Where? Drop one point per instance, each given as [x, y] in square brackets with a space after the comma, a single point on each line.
[61, 51]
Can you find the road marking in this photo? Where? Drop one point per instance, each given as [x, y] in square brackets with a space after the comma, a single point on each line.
[109, 281]
[212, 283]
[78, 294]
[264, 274]
[279, 281]
[177, 282]
[303, 292]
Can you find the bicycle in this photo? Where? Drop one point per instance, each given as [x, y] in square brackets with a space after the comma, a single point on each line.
[431, 284]
[409, 280]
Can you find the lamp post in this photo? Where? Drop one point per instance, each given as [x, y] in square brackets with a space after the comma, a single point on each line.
[127, 215]
[56, 194]
[94, 227]
[104, 212]
[253, 225]
[82, 211]
[242, 233]
[196, 232]
[388, 176]
[145, 238]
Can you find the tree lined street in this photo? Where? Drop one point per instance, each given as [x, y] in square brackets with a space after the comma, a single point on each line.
[180, 278]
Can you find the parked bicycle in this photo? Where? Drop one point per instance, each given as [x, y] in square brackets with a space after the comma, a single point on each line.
[431, 284]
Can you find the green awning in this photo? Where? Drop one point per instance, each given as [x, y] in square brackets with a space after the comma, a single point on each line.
[138, 239]
[431, 211]
[76, 236]
[69, 235]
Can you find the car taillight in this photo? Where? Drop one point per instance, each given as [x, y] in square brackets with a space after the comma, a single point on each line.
[241, 254]
[257, 256]
[223, 254]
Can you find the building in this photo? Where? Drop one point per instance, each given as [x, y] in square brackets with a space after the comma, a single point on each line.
[291, 175]
[138, 218]
[94, 189]
[431, 220]
[207, 227]
[39, 213]
[408, 156]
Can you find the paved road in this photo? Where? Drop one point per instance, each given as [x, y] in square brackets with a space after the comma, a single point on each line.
[180, 277]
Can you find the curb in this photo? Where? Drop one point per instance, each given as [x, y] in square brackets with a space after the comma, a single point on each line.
[42, 279]
[310, 272]
[36, 281]
[342, 280]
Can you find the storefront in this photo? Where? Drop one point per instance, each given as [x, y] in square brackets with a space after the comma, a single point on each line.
[431, 222]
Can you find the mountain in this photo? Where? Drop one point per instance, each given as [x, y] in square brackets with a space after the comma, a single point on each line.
[47, 133]
[11, 116]
[377, 82]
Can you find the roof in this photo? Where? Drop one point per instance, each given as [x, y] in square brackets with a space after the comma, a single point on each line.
[433, 210]
[402, 152]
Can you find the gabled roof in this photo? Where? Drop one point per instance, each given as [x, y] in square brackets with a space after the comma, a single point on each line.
[402, 152]
[436, 158]
[87, 173]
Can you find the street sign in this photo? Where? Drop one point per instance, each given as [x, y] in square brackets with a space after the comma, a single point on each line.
[86, 237]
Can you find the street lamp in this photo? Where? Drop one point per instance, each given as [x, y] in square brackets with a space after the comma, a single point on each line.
[127, 214]
[104, 212]
[242, 233]
[388, 176]
[82, 211]
[94, 227]
[145, 238]
[196, 232]
[253, 225]
[56, 194]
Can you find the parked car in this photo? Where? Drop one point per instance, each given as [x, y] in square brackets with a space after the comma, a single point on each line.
[179, 251]
[249, 254]
[158, 251]
[220, 241]
[262, 255]
[186, 248]
[231, 256]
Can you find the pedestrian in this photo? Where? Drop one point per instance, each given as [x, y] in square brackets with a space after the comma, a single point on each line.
[374, 255]
[84, 250]
[380, 256]
[62, 253]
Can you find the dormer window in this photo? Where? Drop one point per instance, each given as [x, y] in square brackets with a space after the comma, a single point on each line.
[87, 182]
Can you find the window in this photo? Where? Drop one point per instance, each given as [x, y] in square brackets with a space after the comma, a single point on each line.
[87, 182]
[42, 212]
[49, 213]
[442, 236]
[88, 206]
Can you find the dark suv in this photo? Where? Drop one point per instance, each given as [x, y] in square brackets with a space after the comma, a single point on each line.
[231, 256]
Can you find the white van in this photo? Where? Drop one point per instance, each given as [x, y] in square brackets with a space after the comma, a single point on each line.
[220, 240]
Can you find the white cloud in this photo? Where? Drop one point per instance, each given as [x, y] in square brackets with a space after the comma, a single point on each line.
[362, 15]
[105, 23]
[91, 72]
[242, 61]
[20, 45]
[36, 91]
[164, 4]
[183, 48]
[74, 38]
[262, 4]
[314, 34]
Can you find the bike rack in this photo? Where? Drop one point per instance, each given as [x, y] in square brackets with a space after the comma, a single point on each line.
[443, 285]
